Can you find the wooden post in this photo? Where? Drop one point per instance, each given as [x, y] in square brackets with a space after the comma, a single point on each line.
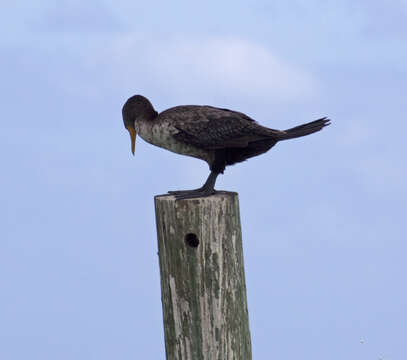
[203, 290]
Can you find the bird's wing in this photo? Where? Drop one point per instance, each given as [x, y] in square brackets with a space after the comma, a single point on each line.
[215, 128]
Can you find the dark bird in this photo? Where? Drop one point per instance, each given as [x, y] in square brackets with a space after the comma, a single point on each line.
[221, 137]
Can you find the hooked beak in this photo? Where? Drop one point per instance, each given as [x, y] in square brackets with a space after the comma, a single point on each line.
[133, 134]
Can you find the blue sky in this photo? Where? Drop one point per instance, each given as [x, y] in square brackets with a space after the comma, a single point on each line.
[322, 216]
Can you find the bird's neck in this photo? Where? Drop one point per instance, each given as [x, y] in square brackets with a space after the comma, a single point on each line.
[143, 128]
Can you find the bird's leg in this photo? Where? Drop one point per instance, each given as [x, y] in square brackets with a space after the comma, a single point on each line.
[207, 189]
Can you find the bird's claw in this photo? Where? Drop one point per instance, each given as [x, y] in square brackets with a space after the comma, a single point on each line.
[192, 194]
[180, 192]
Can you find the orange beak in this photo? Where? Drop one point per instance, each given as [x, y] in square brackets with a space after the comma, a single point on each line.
[133, 134]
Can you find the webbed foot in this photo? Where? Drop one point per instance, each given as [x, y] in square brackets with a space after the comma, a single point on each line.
[193, 194]
[206, 190]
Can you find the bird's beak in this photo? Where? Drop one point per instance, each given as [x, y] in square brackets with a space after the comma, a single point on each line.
[133, 134]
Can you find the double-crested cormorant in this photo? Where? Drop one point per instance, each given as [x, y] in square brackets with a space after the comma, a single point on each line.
[221, 137]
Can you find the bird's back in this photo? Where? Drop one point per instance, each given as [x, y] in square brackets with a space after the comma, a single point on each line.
[193, 114]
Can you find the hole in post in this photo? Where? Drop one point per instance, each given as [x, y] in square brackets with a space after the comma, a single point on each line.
[191, 240]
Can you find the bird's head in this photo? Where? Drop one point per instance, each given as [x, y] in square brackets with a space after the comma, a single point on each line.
[136, 109]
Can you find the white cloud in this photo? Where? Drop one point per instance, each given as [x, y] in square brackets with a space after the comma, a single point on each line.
[213, 67]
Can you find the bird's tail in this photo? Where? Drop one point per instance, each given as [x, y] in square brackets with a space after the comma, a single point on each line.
[305, 129]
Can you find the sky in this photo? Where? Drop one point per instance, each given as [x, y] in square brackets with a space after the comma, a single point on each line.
[322, 216]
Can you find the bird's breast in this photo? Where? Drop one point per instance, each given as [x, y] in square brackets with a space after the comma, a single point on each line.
[162, 135]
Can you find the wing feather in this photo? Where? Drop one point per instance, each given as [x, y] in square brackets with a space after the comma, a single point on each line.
[215, 128]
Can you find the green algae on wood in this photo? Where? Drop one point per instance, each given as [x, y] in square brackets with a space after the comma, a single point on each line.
[203, 290]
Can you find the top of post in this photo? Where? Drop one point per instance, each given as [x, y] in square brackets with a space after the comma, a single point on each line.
[219, 195]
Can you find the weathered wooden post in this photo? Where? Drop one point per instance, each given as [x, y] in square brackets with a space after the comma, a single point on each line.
[203, 288]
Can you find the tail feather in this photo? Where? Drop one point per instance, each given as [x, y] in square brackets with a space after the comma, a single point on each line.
[305, 129]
